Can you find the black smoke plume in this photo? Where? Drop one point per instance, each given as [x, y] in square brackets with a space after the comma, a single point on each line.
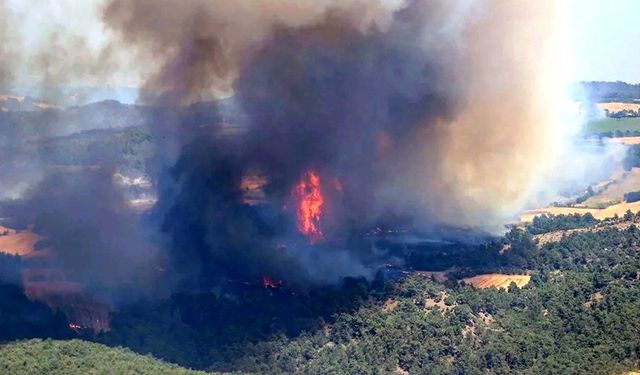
[327, 98]
[97, 238]
[434, 113]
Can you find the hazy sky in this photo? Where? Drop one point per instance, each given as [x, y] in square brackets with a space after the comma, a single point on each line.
[606, 39]
[604, 34]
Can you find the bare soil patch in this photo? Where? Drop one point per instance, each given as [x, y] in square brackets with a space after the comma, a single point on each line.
[437, 303]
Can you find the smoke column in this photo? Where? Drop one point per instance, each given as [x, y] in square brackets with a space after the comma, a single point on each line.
[438, 113]
[5, 49]
[444, 112]
[492, 71]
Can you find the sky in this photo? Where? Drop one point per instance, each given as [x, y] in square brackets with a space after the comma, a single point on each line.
[606, 40]
[604, 36]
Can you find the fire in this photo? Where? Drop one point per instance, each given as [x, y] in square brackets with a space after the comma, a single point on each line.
[268, 283]
[309, 211]
[252, 188]
[75, 327]
[337, 184]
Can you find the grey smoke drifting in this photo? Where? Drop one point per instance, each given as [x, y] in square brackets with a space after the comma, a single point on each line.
[434, 113]
[198, 48]
[5, 49]
[431, 111]
[491, 130]
[96, 237]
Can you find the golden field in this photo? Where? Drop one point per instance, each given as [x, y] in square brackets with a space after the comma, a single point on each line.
[17, 242]
[496, 280]
[619, 106]
[598, 213]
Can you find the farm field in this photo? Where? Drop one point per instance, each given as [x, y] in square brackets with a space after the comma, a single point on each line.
[496, 280]
[15, 242]
[612, 191]
[627, 140]
[613, 124]
[619, 106]
[598, 213]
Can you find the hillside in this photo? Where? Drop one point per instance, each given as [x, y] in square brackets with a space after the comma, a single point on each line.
[607, 91]
[558, 296]
[599, 213]
[578, 313]
[52, 122]
[76, 357]
[582, 296]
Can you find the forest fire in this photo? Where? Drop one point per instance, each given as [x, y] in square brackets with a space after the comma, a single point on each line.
[76, 327]
[310, 201]
[267, 283]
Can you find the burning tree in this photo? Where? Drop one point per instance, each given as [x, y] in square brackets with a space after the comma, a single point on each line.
[310, 201]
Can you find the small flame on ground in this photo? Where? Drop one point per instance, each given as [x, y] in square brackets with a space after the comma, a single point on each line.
[268, 283]
[337, 184]
[75, 327]
[310, 202]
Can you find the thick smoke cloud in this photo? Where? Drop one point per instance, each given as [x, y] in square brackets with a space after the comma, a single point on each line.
[96, 237]
[197, 48]
[445, 113]
[435, 113]
[55, 50]
[5, 48]
[491, 71]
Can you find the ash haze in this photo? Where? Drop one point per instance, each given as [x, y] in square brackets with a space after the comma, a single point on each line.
[447, 113]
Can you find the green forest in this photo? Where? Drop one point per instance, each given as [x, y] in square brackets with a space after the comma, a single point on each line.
[580, 314]
[76, 357]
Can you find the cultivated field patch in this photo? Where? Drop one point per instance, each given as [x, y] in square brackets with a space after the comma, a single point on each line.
[16, 242]
[496, 280]
[599, 213]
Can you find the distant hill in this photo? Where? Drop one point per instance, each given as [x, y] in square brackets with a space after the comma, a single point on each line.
[79, 357]
[598, 91]
[54, 122]
[21, 120]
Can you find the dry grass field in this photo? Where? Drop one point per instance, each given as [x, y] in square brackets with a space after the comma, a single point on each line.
[17, 242]
[496, 280]
[612, 191]
[627, 140]
[598, 213]
[619, 106]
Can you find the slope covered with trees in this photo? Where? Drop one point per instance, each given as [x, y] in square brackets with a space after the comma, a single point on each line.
[76, 357]
[579, 314]
[599, 91]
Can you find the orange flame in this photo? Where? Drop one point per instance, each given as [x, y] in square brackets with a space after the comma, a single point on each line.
[268, 283]
[310, 198]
